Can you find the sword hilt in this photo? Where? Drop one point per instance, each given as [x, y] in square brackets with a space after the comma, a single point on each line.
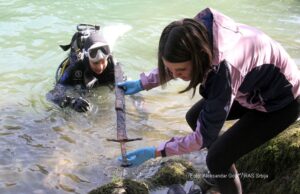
[122, 142]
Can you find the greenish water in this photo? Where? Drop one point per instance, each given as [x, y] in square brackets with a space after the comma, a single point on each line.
[44, 149]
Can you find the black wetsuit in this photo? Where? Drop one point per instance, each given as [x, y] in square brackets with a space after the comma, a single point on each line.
[80, 75]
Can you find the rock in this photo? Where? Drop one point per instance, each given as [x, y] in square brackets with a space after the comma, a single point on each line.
[173, 172]
[274, 167]
[124, 186]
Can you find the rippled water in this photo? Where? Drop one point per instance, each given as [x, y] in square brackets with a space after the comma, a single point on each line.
[44, 149]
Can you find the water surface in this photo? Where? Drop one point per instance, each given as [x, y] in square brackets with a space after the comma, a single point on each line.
[44, 149]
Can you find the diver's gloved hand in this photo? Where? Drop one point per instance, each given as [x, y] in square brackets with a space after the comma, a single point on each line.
[139, 156]
[80, 104]
[131, 87]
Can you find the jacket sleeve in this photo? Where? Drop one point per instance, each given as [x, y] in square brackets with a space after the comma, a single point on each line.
[217, 95]
[181, 145]
[151, 80]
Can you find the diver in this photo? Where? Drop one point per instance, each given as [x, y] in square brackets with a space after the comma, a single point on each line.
[95, 68]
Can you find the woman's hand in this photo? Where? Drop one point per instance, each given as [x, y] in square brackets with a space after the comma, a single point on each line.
[139, 156]
[131, 87]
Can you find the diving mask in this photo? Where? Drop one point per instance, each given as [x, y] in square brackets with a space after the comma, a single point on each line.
[97, 53]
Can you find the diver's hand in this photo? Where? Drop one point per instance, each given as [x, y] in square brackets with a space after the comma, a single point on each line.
[80, 104]
[131, 87]
[139, 156]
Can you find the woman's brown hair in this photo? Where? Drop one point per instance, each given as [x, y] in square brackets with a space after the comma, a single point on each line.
[181, 41]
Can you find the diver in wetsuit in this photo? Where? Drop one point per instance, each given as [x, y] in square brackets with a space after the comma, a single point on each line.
[96, 68]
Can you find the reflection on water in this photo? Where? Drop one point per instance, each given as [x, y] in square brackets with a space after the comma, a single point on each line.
[44, 149]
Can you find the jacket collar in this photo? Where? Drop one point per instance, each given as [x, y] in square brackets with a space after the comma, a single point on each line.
[225, 33]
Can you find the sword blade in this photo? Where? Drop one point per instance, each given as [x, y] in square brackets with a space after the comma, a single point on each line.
[121, 116]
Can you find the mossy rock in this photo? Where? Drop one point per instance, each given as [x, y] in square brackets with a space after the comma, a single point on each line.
[173, 172]
[278, 161]
[124, 186]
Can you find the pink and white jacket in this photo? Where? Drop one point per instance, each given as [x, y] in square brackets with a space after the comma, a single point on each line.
[249, 67]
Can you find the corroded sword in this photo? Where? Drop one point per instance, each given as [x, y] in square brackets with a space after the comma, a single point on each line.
[121, 115]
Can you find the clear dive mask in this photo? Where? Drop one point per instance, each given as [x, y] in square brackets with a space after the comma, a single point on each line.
[97, 53]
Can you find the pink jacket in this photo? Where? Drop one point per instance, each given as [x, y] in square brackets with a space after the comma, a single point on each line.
[249, 67]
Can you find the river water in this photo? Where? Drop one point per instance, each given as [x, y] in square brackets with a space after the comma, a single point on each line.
[44, 149]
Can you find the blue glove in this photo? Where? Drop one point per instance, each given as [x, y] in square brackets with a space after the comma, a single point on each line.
[139, 156]
[131, 87]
